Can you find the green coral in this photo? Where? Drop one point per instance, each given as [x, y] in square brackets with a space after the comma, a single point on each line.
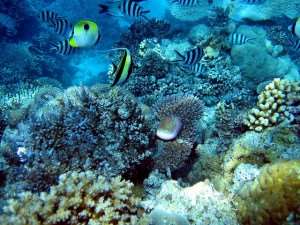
[79, 198]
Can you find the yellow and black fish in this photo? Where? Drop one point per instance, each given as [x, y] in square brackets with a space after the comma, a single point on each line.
[86, 33]
[123, 70]
[295, 27]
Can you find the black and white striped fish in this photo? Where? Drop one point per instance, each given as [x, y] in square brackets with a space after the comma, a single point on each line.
[123, 8]
[239, 39]
[48, 16]
[62, 48]
[294, 45]
[198, 69]
[62, 27]
[190, 57]
[253, 2]
[186, 2]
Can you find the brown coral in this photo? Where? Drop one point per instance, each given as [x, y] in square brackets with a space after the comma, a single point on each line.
[79, 198]
[273, 105]
[271, 196]
[188, 109]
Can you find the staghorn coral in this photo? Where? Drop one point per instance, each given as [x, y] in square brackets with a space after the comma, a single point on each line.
[188, 109]
[271, 196]
[90, 129]
[274, 105]
[79, 198]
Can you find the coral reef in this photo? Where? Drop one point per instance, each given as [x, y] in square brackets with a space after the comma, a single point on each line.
[189, 13]
[266, 11]
[79, 198]
[188, 109]
[257, 149]
[271, 196]
[90, 129]
[140, 30]
[199, 204]
[274, 105]
[20, 64]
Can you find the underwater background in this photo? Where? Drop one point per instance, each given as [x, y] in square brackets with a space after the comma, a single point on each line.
[150, 112]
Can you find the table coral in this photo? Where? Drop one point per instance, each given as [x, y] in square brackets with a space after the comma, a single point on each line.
[273, 105]
[80, 198]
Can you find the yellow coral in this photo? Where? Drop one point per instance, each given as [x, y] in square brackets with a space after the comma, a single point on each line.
[272, 107]
[79, 198]
[271, 196]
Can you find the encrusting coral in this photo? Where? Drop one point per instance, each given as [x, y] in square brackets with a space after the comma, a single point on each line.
[273, 105]
[271, 196]
[79, 198]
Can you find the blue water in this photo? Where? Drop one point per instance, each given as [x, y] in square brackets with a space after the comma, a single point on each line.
[200, 92]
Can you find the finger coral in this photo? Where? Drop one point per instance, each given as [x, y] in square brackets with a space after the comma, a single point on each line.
[271, 196]
[273, 106]
[79, 198]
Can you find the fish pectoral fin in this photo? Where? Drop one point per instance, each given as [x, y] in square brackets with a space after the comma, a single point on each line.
[114, 68]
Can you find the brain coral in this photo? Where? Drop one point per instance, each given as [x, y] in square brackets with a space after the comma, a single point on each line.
[89, 129]
[79, 198]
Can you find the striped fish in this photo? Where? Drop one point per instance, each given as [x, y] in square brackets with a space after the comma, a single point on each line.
[295, 45]
[191, 57]
[198, 69]
[123, 70]
[186, 2]
[48, 16]
[123, 8]
[62, 27]
[62, 48]
[253, 2]
[239, 39]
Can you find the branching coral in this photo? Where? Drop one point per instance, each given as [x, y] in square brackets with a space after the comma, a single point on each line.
[271, 196]
[79, 198]
[274, 105]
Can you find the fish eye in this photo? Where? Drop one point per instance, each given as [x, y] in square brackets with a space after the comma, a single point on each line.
[86, 26]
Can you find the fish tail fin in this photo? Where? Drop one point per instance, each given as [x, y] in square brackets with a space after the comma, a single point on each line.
[181, 57]
[103, 8]
[111, 8]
